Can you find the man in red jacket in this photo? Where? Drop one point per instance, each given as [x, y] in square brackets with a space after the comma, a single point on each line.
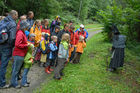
[20, 50]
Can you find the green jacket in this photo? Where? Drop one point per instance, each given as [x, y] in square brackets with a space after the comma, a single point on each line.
[27, 62]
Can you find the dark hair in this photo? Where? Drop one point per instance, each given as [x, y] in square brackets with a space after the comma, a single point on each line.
[66, 25]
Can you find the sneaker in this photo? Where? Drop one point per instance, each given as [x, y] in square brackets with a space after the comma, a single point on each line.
[26, 85]
[5, 87]
[62, 74]
[28, 82]
[17, 87]
[57, 78]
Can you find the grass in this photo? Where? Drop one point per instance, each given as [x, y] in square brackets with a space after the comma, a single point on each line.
[90, 76]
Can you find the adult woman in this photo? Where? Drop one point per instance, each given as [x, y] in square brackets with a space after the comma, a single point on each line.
[117, 50]
[19, 52]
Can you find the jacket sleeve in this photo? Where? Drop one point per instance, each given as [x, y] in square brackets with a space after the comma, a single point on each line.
[53, 47]
[74, 39]
[19, 40]
[84, 44]
[12, 36]
[86, 34]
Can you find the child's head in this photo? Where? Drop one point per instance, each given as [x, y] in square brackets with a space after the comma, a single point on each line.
[31, 14]
[66, 27]
[81, 38]
[46, 22]
[38, 23]
[47, 36]
[23, 17]
[54, 39]
[66, 37]
[57, 29]
[72, 27]
[32, 37]
[43, 34]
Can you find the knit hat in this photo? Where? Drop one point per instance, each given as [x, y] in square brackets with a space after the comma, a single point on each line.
[32, 35]
[24, 24]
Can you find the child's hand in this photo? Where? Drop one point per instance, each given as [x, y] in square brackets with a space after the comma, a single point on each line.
[31, 60]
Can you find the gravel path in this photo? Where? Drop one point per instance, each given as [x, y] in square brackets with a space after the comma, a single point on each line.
[37, 75]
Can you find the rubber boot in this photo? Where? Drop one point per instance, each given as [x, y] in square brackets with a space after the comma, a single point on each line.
[47, 70]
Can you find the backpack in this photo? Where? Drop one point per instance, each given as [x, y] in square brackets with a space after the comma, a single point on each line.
[3, 32]
[47, 50]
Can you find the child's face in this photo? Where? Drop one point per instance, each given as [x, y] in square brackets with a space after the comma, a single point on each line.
[46, 23]
[55, 40]
[67, 27]
[32, 38]
[48, 38]
[43, 36]
[38, 24]
[57, 30]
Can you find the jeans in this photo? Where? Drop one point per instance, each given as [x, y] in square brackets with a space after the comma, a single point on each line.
[24, 76]
[18, 61]
[5, 57]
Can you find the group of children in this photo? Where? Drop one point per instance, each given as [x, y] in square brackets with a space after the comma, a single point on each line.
[48, 46]
[51, 51]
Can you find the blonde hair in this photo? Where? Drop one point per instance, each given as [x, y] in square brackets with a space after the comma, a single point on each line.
[66, 37]
[54, 37]
[46, 20]
[37, 21]
[81, 38]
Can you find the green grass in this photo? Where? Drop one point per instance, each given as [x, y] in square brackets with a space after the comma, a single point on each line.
[89, 26]
[90, 76]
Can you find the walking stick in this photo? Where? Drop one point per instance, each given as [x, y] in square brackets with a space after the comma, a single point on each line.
[108, 59]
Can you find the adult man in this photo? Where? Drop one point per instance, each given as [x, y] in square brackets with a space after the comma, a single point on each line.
[30, 19]
[81, 31]
[65, 30]
[7, 47]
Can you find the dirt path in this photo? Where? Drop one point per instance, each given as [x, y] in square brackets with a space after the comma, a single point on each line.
[37, 75]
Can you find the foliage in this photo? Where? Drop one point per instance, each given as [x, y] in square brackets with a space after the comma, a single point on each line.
[126, 15]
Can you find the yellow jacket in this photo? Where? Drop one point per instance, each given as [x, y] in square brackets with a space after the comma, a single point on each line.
[80, 47]
[37, 31]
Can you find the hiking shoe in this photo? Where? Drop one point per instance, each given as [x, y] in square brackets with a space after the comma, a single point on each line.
[17, 87]
[57, 78]
[26, 85]
[5, 87]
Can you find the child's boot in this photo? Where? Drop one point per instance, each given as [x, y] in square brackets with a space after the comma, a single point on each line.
[50, 69]
[47, 70]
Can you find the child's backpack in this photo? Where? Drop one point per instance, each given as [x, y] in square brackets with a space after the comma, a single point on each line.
[3, 32]
[47, 50]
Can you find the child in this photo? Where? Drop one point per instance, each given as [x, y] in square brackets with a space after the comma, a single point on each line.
[43, 47]
[28, 60]
[45, 28]
[79, 50]
[51, 55]
[31, 38]
[63, 55]
[72, 42]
